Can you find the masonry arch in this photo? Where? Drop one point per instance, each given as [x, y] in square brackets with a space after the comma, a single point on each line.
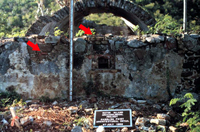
[122, 8]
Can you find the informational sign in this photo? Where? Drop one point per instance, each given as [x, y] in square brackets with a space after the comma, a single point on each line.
[113, 118]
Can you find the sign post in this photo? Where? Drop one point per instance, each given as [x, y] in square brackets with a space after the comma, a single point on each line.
[113, 118]
[185, 16]
[71, 24]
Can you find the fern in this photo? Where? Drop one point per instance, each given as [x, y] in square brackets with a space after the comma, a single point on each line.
[174, 101]
[192, 118]
[188, 95]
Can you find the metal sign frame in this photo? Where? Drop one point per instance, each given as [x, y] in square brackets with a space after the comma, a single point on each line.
[114, 126]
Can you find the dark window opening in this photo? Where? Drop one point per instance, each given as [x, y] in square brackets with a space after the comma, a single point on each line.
[103, 63]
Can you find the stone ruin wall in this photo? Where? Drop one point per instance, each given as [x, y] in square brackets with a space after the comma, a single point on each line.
[153, 68]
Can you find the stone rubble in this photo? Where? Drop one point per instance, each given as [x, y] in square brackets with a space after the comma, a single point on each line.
[159, 121]
[55, 103]
[157, 106]
[73, 109]
[173, 129]
[77, 129]
[48, 123]
[89, 111]
[171, 113]
[163, 116]
[26, 120]
[142, 119]
[125, 129]
[100, 129]
[141, 101]
[5, 122]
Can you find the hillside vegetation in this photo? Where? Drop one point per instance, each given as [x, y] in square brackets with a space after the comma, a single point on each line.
[18, 15]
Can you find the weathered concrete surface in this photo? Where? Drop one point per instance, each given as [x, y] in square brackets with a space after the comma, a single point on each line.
[123, 8]
[102, 65]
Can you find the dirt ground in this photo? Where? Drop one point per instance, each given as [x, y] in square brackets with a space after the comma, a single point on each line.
[64, 115]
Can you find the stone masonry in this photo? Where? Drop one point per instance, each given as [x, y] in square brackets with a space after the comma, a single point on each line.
[126, 9]
[155, 67]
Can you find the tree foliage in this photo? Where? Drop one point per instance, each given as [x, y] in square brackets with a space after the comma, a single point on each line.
[18, 15]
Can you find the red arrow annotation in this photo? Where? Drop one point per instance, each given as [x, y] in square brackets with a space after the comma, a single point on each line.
[86, 30]
[34, 46]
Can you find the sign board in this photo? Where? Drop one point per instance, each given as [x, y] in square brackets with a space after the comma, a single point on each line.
[113, 118]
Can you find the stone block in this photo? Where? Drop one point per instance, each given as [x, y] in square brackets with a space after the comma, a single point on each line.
[159, 121]
[171, 113]
[163, 116]
[173, 129]
[141, 101]
[100, 129]
[89, 111]
[45, 47]
[26, 120]
[141, 121]
[171, 43]
[136, 43]
[79, 45]
[52, 39]
[140, 53]
[73, 109]
[48, 123]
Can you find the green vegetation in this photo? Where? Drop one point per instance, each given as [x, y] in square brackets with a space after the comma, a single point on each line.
[105, 18]
[57, 31]
[167, 25]
[168, 14]
[18, 15]
[189, 116]
[9, 99]
[81, 121]
[81, 32]
[172, 11]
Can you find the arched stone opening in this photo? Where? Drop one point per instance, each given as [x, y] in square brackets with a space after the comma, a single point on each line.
[122, 8]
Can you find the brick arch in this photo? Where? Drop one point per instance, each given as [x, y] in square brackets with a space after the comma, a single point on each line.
[123, 8]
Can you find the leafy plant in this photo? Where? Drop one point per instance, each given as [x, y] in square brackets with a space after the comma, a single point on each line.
[105, 19]
[81, 32]
[81, 121]
[46, 33]
[18, 103]
[7, 98]
[138, 30]
[190, 117]
[57, 31]
[4, 101]
[165, 24]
